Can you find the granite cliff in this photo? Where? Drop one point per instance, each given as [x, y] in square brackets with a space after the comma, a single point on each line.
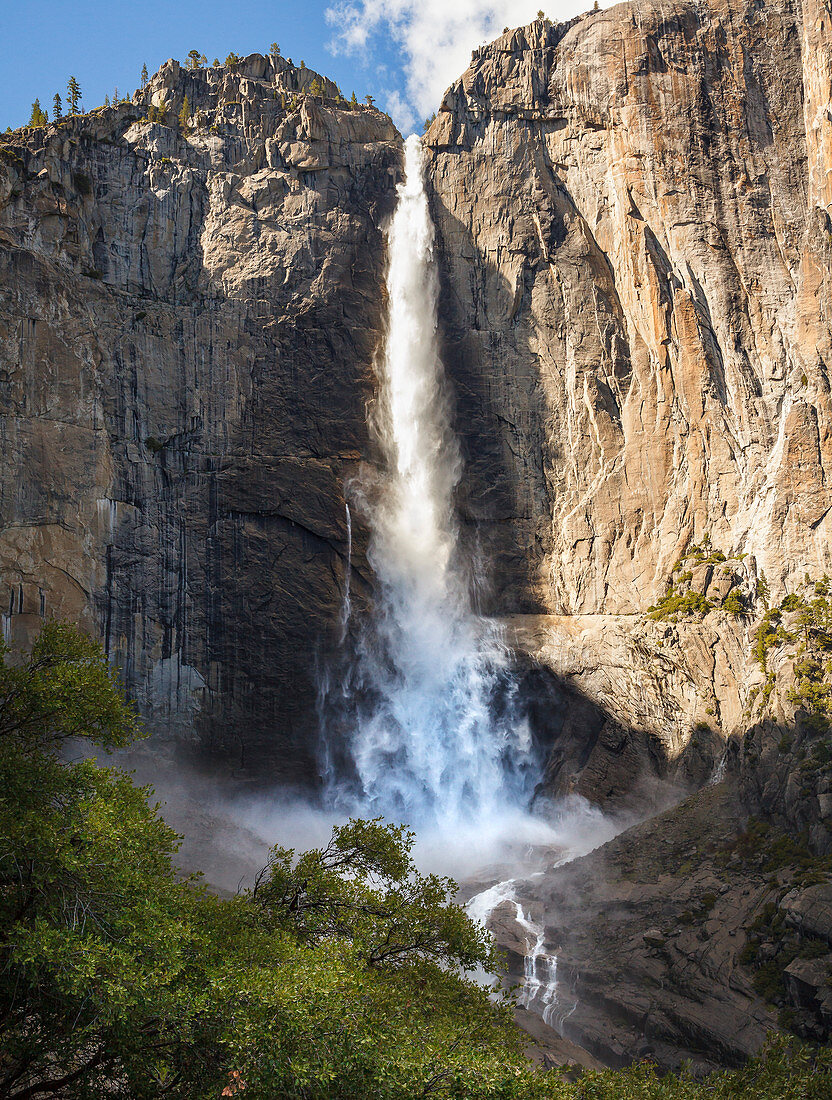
[635, 246]
[188, 317]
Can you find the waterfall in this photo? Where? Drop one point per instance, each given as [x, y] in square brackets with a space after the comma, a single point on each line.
[423, 735]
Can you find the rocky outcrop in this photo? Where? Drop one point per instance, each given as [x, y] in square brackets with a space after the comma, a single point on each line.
[677, 940]
[636, 246]
[188, 316]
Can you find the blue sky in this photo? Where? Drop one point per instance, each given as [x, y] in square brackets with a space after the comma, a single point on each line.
[404, 52]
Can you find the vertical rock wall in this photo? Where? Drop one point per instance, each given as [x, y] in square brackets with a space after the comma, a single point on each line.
[636, 243]
[188, 318]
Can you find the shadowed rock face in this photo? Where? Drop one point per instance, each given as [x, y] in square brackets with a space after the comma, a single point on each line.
[188, 319]
[632, 210]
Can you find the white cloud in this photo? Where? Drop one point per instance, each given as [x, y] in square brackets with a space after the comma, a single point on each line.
[436, 38]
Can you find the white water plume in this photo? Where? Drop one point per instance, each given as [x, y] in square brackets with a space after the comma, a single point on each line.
[424, 740]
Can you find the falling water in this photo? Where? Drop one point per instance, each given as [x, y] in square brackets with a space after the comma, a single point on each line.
[424, 741]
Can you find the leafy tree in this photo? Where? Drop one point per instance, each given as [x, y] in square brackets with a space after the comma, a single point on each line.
[38, 116]
[336, 977]
[194, 58]
[144, 77]
[57, 108]
[73, 96]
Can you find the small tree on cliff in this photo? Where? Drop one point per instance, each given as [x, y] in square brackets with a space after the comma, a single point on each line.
[274, 50]
[38, 116]
[57, 108]
[194, 58]
[73, 96]
[185, 114]
[144, 77]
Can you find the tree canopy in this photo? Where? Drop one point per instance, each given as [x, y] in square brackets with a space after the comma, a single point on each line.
[340, 975]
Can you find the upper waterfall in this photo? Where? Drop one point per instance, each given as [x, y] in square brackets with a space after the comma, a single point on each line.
[425, 739]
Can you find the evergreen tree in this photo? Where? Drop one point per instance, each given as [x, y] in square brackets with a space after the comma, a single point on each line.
[144, 76]
[193, 59]
[185, 114]
[216, 62]
[274, 50]
[369, 100]
[38, 116]
[57, 108]
[203, 61]
[106, 101]
[232, 60]
[73, 96]
[116, 97]
[316, 88]
[353, 100]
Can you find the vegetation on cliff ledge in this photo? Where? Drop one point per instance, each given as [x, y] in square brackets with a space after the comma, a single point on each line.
[339, 975]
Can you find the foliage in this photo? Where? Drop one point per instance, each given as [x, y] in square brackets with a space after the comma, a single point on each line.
[185, 113]
[680, 601]
[57, 107]
[339, 976]
[73, 96]
[232, 61]
[143, 77]
[38, 116]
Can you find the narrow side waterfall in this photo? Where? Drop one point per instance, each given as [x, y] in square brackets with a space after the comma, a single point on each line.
[426, 738]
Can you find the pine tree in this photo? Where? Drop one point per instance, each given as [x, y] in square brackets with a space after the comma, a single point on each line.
[369, 100]
[541, 16]
[38, 116]
[316, 88]
[274, 50]
[185, 114]
[106, 101]
[353, 100]
[203, 61]
[144, 76]
[73, 96]
[193, 59]
[231, 61]
[216, 62]
[57, 108]
[116, 98]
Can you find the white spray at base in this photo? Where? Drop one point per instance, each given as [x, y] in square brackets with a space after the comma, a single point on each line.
[424, 740]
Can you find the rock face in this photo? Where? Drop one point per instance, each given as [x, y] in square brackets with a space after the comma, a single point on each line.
[636, 245]
[662, 937]
[188, 318]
